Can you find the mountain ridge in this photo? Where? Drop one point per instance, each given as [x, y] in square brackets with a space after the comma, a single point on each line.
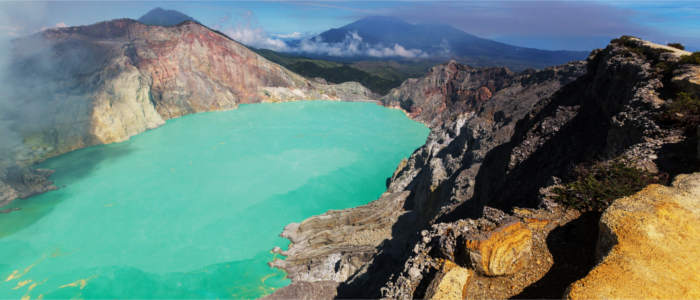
[441, 41]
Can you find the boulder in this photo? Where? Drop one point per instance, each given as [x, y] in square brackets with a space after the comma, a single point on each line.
[449, 283]
[649, 245]
[503, 251]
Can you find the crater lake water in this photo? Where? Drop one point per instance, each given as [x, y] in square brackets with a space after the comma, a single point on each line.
[193, 208]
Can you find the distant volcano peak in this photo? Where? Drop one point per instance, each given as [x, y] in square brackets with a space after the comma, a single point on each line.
[164, 17]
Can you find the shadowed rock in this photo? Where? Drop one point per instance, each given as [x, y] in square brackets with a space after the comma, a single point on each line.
[450, 282]
[649, 246]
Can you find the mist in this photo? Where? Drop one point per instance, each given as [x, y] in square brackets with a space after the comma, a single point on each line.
[38, 90]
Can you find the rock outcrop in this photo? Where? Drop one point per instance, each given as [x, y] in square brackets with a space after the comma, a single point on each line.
[103, 83]
[470, 213]
[504, 251]
[451, 89]
[21, 182]
[436, 179]
[449, 283]
[649, 245]
[486, 156]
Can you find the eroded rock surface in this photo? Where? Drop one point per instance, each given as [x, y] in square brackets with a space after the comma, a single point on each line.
[19, 182]
[503, 251]
[438, 177]
[649, 246]
[450, 282]
[80, 86]
[489, 154]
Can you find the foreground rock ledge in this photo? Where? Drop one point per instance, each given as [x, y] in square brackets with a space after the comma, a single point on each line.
[655, 239]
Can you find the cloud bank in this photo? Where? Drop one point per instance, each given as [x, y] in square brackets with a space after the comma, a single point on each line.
[353, 45]
[248, 32]
[545, 24]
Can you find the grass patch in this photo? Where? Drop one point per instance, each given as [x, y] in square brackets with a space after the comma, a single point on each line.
[597, 186]
[692, 59]
[684, 110]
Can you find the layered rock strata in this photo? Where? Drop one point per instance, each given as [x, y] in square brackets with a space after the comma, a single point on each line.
[338, 244]
[485, 158]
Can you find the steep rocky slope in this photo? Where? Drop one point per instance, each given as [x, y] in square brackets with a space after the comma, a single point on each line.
[80, 86]
[500, 144]
[436, 178]
[649, 245]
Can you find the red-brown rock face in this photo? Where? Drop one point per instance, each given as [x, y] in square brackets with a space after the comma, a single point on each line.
[451, 89]
[106, 82]
[448, 87]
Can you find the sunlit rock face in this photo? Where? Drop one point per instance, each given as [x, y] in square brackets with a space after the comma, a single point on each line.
[487, 157]
[106, 82]
[648, 245]
[69, 88]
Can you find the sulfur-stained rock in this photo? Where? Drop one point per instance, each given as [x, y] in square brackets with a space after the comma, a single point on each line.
[106, 82]
[654, 242]
[449, 283]
[504, 251]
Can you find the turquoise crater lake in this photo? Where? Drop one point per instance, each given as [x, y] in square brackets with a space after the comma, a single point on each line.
[192, 209]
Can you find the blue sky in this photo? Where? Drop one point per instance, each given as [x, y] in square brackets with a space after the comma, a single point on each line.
[575, 25]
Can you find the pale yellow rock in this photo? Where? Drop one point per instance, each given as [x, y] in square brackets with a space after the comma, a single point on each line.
[674, 51]
[656, 246]
[504, 251]
[450, 282]
[122, 107]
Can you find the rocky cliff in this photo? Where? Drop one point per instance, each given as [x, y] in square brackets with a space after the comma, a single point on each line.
[80, 86]
[504, 199]
[648, 246]
[487, 190]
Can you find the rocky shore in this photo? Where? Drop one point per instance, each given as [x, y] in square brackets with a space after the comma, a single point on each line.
[106, 82]
[473, 212]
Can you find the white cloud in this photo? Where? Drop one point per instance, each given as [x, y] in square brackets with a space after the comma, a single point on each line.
[248, 32]
[353, 45]
[293, 35]
[255, 37]
[58, 25]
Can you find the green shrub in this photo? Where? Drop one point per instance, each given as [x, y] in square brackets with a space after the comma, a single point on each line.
[693, 59]
[625, 39]
[684, 109]
[597, 186]
[676, 45]
[636, 46]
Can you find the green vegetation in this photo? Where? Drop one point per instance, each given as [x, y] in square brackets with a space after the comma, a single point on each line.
[595, 187]
[676, 45]
[685, 110]
[693, 59]
[682, 107]
[636, 46]
[378, 76]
